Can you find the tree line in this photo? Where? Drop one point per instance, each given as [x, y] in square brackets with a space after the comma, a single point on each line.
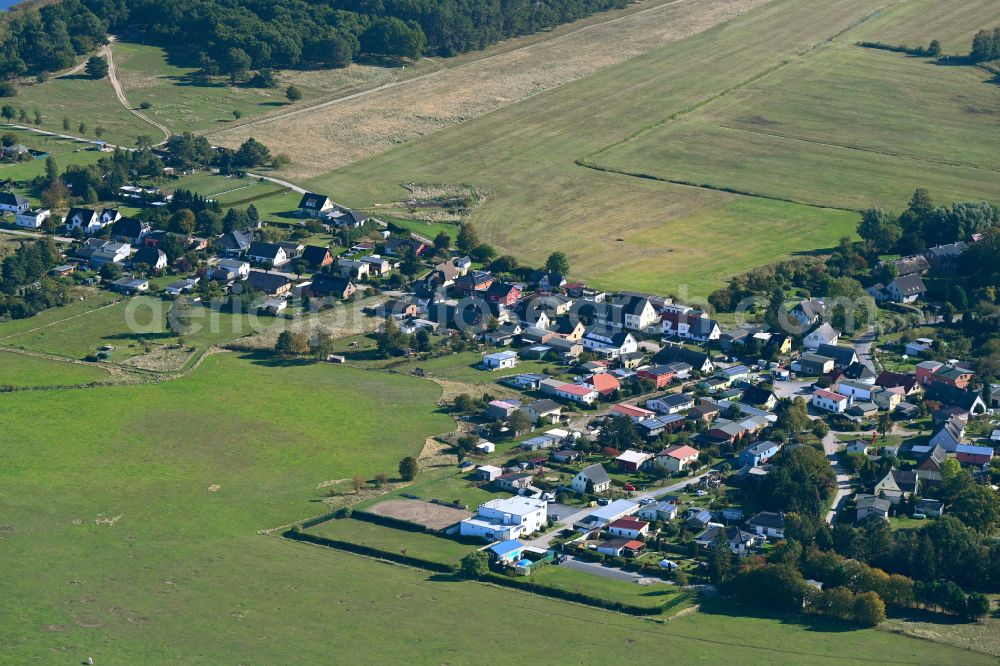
[231, 37]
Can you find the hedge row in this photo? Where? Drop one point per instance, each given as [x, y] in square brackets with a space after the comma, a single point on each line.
[388, 521]
[369, 552]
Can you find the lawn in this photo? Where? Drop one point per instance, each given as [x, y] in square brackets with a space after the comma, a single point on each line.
[611, 589]
[133, 326]
[28, 371]
[416, 544]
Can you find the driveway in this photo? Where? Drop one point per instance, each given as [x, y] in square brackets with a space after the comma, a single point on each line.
[791, 388]
[560, 511]
[863, 348]
[844, 489]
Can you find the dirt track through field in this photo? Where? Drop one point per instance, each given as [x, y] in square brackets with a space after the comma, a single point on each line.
[343, 131]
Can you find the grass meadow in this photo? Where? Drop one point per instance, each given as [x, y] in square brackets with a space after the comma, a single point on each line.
[29, 371]
[77, 333]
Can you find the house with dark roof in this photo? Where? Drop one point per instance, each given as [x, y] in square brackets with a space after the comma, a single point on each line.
[843, 357]
[235, 243]
[504, 293]
[86, 220]
[317, 256]
[951, 396]
[945, 257]
[609, 343]
[271, 284]
[869, 506]
[596, 475]
[768, 524]
[898, 485]
[699, 361]
[314, 205]
[150, 256]
[689, 326]
[914, 265]
[325, 284]
[267, 254]
[905, 289]
[889, 380]
[738, 540]
[808, 312]
[929, 467]
[13, 203]
[758, 396]
[129, 230]
[345, 217]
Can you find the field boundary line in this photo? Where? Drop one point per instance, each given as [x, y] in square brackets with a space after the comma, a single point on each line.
[860, 149]
[707, 186]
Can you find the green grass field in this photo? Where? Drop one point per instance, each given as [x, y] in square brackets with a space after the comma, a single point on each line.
[801, 134]
[463, 367]
[131, 325]
[82, 100]
[28, 371]
[416, 544]
[571, 580]
[183, 102]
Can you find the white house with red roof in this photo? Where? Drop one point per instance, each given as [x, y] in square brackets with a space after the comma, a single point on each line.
[831, 402]
[630, 528]
[586, 395]
[677, 458]
[603, 382]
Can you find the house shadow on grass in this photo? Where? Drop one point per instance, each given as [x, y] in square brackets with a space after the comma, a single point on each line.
[735, 609]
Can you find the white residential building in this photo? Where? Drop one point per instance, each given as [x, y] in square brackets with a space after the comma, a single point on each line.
[32, 219]
[503, 519]
[830, 401]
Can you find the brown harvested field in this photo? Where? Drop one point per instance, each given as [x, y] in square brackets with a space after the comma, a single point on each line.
[431, 516]
[346, 130]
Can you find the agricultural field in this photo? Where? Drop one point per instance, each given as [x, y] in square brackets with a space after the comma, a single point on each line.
[672, 238]
[800, 134]
[29, 371]
[356, 127]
